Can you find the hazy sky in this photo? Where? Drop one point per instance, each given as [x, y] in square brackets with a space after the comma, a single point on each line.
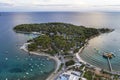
[59, 5]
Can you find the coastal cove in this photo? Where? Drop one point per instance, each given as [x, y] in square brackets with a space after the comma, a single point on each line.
[11, 56]
[95, 51]
[59, 40]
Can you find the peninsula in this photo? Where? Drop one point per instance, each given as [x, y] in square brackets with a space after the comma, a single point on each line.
[59, 39]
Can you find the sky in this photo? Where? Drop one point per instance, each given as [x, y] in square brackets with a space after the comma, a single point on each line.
[59, 5]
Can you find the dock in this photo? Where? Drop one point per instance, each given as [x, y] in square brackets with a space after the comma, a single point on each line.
[109, 56]
[110, 66]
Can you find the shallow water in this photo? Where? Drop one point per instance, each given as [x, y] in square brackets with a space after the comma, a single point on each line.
[108, 42]
[16, 64]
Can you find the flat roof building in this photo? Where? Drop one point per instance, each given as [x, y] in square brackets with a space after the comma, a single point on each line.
[70, 75]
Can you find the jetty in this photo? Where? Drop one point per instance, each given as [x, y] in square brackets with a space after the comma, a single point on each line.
[110, 66]
[109, 56]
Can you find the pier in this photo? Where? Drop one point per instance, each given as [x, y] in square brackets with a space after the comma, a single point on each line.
[110, 66]
[109, 56]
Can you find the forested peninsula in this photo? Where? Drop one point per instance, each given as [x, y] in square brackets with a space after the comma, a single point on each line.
[58, 37]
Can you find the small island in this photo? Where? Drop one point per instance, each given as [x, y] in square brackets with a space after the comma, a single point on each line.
[61, 40]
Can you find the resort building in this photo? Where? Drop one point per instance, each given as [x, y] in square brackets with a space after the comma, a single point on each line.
[70, 75]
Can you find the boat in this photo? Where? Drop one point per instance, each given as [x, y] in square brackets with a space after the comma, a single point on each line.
[113, 54]
[6, 59]
[48, 59]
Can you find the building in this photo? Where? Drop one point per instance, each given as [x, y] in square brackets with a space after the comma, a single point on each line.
[70, 75]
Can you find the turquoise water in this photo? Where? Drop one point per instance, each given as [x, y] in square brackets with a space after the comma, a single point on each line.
[17, 64]
[109, 42]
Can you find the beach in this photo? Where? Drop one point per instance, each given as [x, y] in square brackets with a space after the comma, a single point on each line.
[54, 74]
[58, 62]
[78, 57]
[81, 60]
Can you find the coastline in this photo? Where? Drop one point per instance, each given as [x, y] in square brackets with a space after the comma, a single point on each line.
[55, 73]
[80, 51]
[52, 76]
[77, 55]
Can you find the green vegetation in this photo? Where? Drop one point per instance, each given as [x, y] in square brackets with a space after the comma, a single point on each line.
[88, 75]
[32, 47]
[43, 41]
[58, 37]
[69, 63]
[76, 50]
[116, 77]
[60, 67]
[81, 67]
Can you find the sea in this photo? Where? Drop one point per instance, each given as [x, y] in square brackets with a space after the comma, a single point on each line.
[15, 64]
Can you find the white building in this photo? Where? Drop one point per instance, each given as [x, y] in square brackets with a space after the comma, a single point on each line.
[70, 75]
[83, 79]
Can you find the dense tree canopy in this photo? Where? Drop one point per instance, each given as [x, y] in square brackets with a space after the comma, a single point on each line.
[58, 36]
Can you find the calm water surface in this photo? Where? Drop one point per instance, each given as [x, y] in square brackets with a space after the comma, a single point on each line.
[16, 64]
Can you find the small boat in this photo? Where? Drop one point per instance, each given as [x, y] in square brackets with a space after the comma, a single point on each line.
[6, 79]
[24, 76]
[41, 64]
[37, 66]
[41, 71]
[26, 58]
[30, 64]
[27, 73]
[6, 59]
[114, 55]
[118, 49]
[31, 59]
[48, 59]
[18, 58]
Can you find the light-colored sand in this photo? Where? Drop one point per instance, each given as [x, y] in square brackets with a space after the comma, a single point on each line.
[78, 56]
[81, 60]
[58, 62]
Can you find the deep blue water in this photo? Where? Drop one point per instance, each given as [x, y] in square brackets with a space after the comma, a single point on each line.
[16, 64]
